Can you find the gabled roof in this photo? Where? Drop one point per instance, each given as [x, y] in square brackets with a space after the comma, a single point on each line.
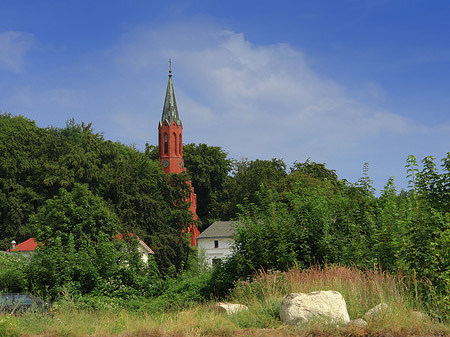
[26, 246]
[219, 229]
[141, 242]
[170, 110]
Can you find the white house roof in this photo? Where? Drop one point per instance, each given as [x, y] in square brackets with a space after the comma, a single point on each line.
[219, 229]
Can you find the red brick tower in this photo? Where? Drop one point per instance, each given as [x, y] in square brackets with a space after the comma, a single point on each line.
[170, 138]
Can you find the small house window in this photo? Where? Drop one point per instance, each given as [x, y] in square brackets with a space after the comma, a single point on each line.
[216, 243]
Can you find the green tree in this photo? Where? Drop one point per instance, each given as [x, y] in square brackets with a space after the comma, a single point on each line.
[20, 174]
[314, 170]
[208, 167]
[79, 248]
[425, 251]
[36, 163]
[246, 179]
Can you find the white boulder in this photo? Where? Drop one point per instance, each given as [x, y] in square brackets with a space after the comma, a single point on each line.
[229, 308]
[299, 308]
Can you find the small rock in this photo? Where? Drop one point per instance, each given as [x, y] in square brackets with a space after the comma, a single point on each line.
[229, 308]
[360, 323]
[376, 311]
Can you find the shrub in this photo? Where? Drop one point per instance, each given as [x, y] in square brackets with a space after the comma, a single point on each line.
[13, 277]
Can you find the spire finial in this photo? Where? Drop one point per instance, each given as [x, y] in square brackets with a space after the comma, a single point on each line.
[170, 110]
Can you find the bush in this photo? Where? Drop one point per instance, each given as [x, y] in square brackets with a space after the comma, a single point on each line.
[183, 291]
[13, 277]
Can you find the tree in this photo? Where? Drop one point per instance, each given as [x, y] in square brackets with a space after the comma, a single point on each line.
[208, 167]
[79, 249]
[425, 250]
[246, 179]
[20, 174]
[314, 170]
[36, 163]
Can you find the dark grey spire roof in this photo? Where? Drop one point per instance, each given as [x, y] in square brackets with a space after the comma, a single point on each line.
[170, 110]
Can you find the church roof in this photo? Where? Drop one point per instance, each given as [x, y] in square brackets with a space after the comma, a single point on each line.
[170, 110]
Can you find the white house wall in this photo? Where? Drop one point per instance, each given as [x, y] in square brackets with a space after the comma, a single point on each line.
[223, 251]
[144, 253]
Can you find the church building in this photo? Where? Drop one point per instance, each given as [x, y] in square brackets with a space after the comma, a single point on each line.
[170, 141]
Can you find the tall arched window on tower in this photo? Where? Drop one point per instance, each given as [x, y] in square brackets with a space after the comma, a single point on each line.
[180, 145]
[166, 143]
[175, 143]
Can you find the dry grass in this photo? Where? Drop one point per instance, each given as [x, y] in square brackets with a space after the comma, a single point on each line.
[362, 290]
[263, 295]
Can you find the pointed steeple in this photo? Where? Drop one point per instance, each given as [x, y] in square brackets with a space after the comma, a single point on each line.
[170, 110]
[170, 140]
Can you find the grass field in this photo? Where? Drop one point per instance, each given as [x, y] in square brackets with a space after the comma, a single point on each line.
[262, 295]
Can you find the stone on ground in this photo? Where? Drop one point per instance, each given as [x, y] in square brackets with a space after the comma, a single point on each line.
[359, 322]
[376, 312]
[229, 308]
[299, 308]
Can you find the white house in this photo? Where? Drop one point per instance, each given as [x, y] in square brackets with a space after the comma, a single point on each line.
[216, 241]
[144, 249]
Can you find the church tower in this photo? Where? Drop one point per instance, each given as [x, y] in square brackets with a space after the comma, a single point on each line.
[170, 139]
[170, 133]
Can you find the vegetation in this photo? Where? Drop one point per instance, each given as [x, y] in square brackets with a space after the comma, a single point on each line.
[75, 192]
[318, 219]
[36, 163]
[81, 251]
[262, 295]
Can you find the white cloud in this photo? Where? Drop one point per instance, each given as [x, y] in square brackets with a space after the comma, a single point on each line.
[13, 47]
[258, 101]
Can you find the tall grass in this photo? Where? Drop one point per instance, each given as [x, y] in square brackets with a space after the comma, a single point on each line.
[362, 290]
[262, 294]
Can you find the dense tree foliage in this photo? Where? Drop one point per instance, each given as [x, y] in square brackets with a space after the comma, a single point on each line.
[80, 249]
[208, 167]
[36, 163]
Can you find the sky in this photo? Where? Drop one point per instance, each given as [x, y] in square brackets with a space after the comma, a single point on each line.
[342, 82]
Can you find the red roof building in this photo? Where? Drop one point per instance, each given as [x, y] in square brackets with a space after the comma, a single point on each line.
[26, 246]
[30, 245]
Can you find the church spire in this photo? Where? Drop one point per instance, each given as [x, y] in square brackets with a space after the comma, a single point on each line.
[170, 138]
[170, 110]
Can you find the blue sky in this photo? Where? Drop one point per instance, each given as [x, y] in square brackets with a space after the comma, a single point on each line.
[341, 82]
